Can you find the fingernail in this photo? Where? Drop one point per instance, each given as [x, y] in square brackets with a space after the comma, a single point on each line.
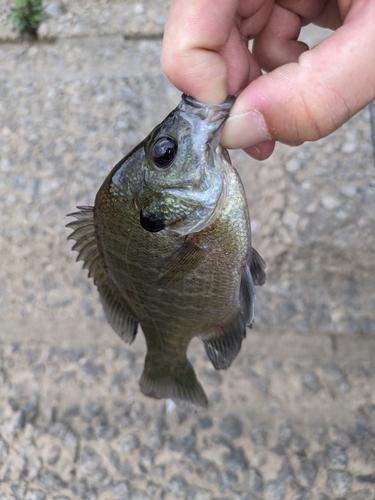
[244, 130]
[254, 152]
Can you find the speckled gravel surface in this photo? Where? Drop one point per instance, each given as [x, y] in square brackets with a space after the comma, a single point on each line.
[82, 18]
[293, 418]
[70, 110]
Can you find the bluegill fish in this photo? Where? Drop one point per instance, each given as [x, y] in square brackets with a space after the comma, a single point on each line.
[168, 244]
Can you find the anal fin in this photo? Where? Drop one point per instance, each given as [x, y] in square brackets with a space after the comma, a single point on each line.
[223, 345]
[115, 308]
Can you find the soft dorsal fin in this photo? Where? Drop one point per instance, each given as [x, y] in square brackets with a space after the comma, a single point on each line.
[115, 307]
[257, 267]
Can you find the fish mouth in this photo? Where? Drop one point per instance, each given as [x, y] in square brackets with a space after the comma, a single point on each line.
[227, 104]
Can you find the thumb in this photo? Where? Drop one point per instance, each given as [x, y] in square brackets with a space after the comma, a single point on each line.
[307, 100]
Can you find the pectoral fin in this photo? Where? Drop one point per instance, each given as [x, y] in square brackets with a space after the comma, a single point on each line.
[182, 261]
[115, 307]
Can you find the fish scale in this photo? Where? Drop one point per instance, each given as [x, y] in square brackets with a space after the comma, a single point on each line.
[172, 250]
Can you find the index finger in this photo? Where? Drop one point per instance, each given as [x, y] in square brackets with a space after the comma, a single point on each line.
[195, 33]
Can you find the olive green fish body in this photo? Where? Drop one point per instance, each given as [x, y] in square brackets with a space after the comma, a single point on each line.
[168, 244]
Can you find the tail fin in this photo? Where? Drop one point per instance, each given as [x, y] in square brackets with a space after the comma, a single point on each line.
[176, 382]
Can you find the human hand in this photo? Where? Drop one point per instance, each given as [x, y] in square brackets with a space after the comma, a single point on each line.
[306, 94]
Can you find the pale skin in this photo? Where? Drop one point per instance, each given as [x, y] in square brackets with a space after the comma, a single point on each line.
[305, 94]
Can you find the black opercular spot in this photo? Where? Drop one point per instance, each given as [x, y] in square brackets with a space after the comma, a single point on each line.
[164, 151]
[151, 222]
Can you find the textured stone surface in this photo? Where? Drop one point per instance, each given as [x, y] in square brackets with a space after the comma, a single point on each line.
[72, 18]
[285, 443]
[70, 110]
[294, 417]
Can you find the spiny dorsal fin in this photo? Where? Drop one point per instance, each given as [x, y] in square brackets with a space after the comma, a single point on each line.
[257, 267]
[115, 308]
[223, 345]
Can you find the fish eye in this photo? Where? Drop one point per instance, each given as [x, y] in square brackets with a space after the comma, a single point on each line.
[164, 151]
